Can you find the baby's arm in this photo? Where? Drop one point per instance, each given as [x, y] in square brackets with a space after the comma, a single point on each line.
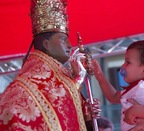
[109, 91]
[134, 112]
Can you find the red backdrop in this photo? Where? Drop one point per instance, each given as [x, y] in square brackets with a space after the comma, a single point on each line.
[96, 20]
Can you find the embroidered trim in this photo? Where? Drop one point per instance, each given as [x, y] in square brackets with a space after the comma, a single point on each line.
[44, 106]
[55, 66]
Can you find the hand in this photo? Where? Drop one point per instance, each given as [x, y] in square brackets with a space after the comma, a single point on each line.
[130, 113]
[79, 72]
[95, 67]
[92, 110]
[95, 108]
[74, 68]
[139, 126]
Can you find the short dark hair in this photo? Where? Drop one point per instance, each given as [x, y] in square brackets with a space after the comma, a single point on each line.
[139, 45]
[37, 41]
[104, 123]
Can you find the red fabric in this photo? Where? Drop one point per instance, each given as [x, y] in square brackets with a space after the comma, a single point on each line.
[41, 98]
[96, 20]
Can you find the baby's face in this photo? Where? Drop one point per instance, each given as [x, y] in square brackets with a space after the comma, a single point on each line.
[134, 70]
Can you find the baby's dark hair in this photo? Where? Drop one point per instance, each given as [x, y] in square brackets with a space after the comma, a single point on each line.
[105, 123]
[139, 45]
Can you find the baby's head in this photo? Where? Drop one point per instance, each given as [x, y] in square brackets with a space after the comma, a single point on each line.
[139, 45]
[105, 124]
[133, 68]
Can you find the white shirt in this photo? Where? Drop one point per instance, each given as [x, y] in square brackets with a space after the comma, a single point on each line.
[137, 93]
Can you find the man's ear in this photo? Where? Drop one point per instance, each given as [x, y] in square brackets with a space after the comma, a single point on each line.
[45, 44]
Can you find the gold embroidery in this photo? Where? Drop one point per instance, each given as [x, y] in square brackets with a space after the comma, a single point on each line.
[45, 108]
[55, 66]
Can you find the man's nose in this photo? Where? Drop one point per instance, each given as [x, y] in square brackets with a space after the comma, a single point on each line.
[69, 45]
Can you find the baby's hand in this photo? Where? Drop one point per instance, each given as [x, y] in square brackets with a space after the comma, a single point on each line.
[139, 126]
[130, 113]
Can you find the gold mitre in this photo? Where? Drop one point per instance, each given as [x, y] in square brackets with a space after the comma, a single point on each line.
[48, 16]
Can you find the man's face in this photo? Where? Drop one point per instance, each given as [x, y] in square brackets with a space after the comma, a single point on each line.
[59, 47]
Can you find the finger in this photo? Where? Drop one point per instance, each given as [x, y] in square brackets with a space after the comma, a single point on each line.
[95, 111]
[137, 128]
[79, 57]
[133, 101]
[87, 100]
[96, 106]
[73, 52]
[96, 115]
[97, 101]
[131, 121]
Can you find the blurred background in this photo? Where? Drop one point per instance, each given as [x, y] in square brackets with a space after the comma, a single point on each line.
[107, 27]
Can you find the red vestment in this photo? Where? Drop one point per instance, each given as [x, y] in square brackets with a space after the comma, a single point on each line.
[41, 98]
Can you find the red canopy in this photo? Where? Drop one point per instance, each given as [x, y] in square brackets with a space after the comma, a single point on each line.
[96, 20]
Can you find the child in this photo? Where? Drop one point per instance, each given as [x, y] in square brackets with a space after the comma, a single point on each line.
[104, 124]
[133, 72]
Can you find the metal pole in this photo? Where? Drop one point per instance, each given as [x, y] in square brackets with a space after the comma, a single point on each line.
[95, 127]
[88, 86]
